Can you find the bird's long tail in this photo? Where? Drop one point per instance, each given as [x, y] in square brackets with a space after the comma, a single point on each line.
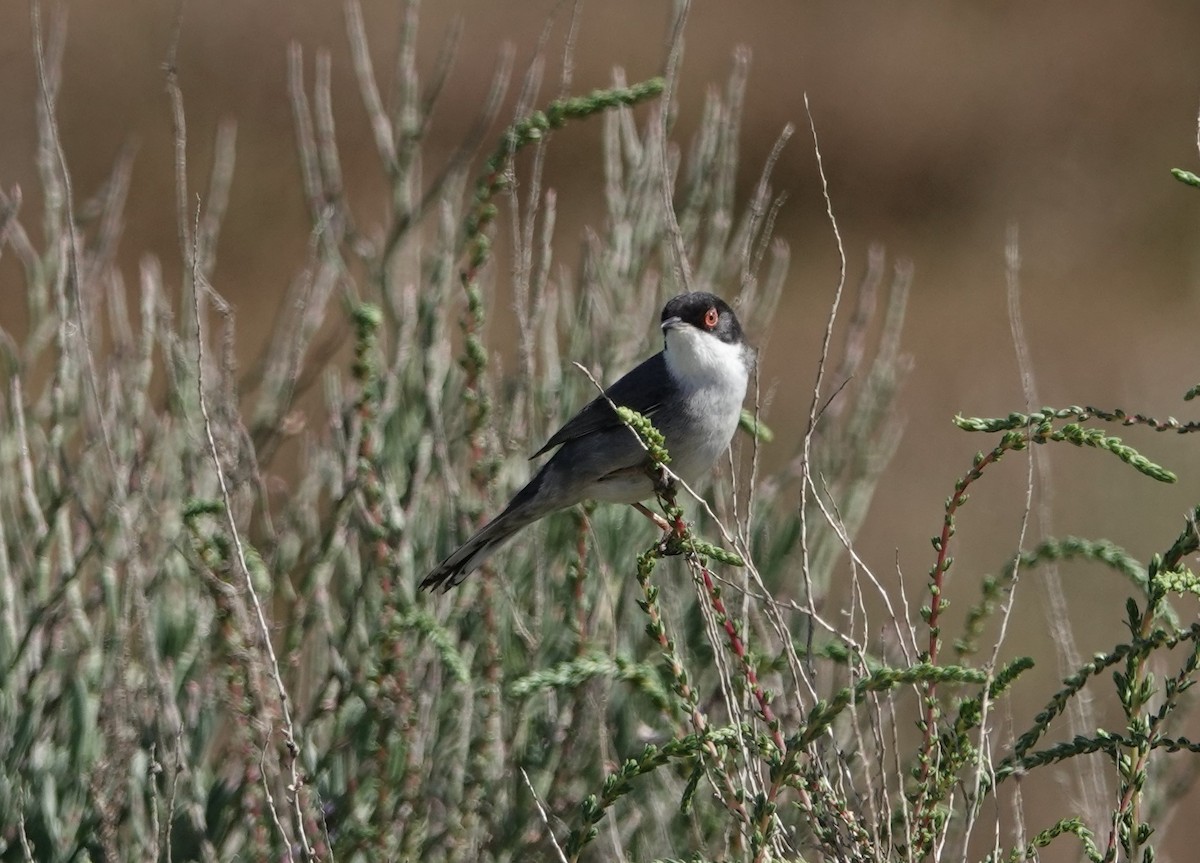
[474, 552]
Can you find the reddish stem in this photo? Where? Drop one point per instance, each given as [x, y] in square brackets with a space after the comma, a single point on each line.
[937, 576]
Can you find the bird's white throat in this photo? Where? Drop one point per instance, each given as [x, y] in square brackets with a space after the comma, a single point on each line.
[712, 376]
[699, 360]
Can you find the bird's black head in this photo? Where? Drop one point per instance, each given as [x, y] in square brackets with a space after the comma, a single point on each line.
[706, 312]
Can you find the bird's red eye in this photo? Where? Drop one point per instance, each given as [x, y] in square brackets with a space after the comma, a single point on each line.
[710, 318]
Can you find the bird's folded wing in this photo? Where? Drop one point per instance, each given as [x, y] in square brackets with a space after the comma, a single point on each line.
[643, 389]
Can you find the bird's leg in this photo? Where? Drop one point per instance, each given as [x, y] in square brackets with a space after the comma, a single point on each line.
[664, 488]
[672, 533]
[653, 516]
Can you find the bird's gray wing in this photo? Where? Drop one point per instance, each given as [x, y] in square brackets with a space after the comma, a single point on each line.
[643, 389]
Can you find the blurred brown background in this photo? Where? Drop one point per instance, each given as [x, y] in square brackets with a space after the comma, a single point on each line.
[940, 124]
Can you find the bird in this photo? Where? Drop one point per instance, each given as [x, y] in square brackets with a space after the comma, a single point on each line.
[692, 391]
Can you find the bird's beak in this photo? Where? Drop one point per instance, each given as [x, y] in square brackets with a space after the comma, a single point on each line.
[672, 323]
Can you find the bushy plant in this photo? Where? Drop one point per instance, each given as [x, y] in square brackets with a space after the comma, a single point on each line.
[193, 666]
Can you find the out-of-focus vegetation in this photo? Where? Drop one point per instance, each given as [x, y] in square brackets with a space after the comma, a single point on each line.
[204, 658]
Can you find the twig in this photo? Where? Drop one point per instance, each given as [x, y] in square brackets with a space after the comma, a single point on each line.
[805, 464]
[537, 801]
[243, 566]
[72, 253]
[683, 270]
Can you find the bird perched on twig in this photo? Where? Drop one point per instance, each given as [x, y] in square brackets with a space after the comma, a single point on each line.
[692, 391]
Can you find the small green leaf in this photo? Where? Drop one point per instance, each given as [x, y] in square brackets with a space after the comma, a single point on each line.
[755, 427]
[1186, 177]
